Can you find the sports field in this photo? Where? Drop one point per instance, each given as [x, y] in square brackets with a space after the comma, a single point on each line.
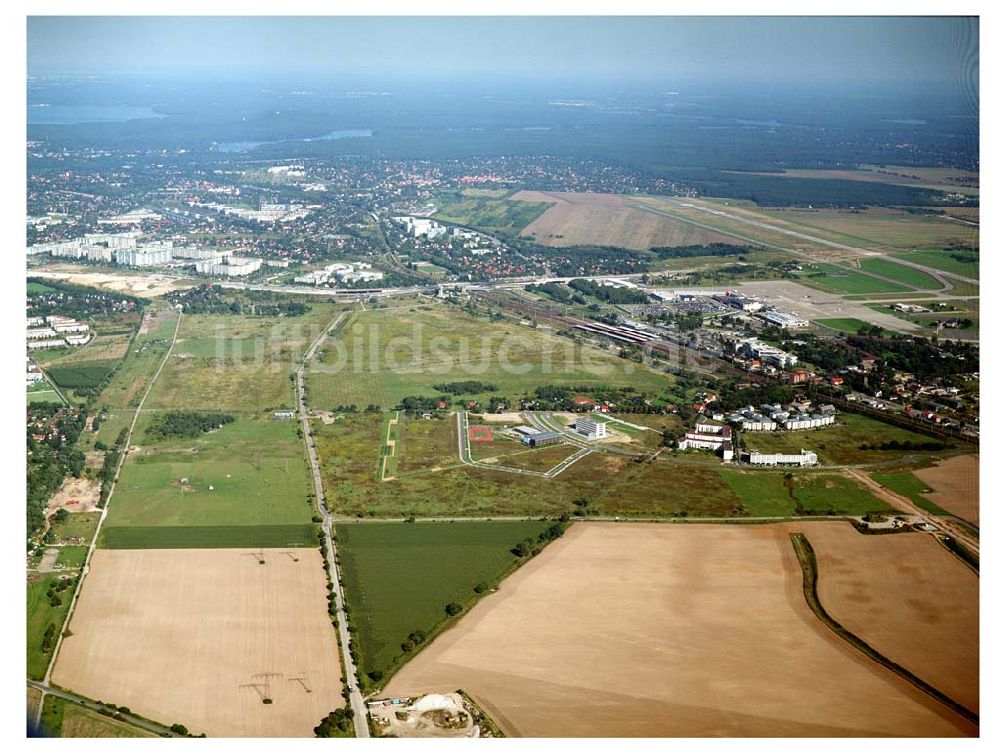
[909, 598]
[840, 443]
[578, 643]
[591, 219]
[245, 482]
[237, 362]
[383, 356]
[399, 577]
[202, 637]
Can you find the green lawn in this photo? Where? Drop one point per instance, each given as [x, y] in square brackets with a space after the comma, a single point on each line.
[383, 356]
[900, 273]
[839, 443]
[909, 485]
[41, 614]
[250, 473]
[946, 260]
[765, 493]
[46, 395]
[399, 577]
[840, 279]
[207, 537]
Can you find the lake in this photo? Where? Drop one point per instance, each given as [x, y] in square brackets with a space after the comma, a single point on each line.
[243, 146]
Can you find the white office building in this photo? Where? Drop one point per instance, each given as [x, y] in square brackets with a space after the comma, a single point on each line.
[591, 428]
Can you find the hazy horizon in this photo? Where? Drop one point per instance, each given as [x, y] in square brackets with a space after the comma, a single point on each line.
[629, 51]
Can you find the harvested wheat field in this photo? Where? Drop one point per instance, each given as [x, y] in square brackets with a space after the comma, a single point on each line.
[955, 482]
[591, 219]
[659, 630]
[907, 597]
[184, 636]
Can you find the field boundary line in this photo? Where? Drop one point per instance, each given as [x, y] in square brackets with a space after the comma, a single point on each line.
[810, 587]
[85, 569]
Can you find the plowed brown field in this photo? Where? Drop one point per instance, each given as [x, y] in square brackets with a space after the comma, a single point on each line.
[185, 636]
[955, 482]
[658, 630]
[591, 219]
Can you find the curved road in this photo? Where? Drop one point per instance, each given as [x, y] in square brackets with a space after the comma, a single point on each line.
[357, 701]
[49, 691]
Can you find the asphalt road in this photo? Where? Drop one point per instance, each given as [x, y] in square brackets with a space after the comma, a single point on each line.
[357, 701]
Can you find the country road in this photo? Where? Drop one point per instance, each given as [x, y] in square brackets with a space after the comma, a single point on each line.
[357, 701]
[104, 512]
[49, 691]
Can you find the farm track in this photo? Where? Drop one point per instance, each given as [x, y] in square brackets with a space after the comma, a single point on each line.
[810, 582]
[104, 514]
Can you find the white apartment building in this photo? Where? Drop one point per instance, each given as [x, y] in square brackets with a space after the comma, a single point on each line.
[43, 333]
[146, 256]
[805, 458]
[43, 344]
[232, 267]
[807, 421]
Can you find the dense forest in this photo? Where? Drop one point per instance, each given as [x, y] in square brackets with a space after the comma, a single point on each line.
[185, 424]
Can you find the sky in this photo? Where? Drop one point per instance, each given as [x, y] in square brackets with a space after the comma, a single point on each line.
[778, 49]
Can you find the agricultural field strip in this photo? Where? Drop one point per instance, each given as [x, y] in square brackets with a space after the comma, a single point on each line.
[357, 703]
[938, 274]
[104, 513]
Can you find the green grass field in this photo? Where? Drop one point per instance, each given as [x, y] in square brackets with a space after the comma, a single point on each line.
[72, 557]
[909, 485]
[237, 362]
[250, 473]
[839, 443]
[946, 260]
[842, 325]
[426, 444]
[383, 356]
[76, 528]
[128, 384]
[839, 279]
[44, 395]
[488, 213]
[208, 537]
[80, 722]
[765, 493]
[899, 273]
[399, 577]
[41, 614]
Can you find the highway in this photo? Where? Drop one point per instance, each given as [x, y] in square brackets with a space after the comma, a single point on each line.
[357, 701]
